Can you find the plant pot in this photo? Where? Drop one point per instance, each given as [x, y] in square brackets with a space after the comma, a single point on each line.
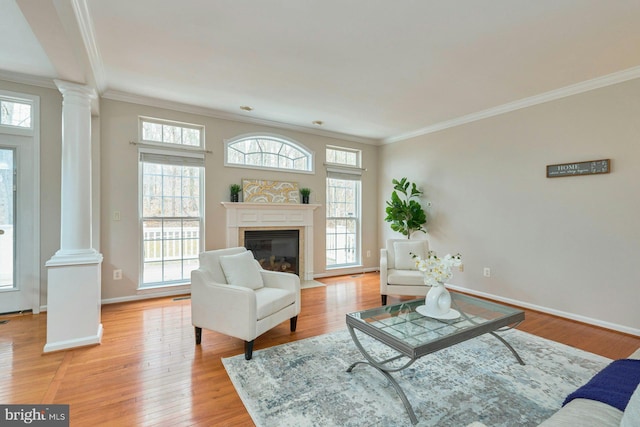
[235, 197]
[305, 199]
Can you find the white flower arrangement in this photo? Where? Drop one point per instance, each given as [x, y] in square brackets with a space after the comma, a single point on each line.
[437, 270]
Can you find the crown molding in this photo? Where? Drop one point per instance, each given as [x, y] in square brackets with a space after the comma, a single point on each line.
[209, 112]
[27, 79]
[85, 25]
[586, 86]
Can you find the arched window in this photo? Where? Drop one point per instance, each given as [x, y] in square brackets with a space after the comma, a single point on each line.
[263, 151]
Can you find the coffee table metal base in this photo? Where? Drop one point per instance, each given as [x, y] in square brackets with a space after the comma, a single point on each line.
[386, 371]
[380, 366]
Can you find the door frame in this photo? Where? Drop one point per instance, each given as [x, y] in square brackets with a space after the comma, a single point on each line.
[27, 225]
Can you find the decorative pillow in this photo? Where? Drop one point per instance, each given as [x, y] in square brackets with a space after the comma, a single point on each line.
[242, 270]
[631, 415]
[404, 251]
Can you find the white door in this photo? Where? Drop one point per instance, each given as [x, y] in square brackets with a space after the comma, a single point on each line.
[17, 281]
[7, 219]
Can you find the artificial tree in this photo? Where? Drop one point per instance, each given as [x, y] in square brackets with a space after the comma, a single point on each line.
[404, 212]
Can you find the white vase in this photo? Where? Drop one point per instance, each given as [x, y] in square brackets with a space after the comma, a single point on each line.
[438, 301]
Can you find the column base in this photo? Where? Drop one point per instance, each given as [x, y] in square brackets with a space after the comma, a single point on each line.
[73, 305]
[76, 342]
[75, 257]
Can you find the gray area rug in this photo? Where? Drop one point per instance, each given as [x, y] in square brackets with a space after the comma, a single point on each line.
[305, 383]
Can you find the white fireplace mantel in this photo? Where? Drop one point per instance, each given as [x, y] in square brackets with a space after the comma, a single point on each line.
[242, 216]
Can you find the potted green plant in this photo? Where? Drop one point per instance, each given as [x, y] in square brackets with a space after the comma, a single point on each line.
[234, 190]
[404, 212]
[305, 192]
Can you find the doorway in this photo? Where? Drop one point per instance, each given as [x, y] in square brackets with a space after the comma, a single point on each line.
[19, 203]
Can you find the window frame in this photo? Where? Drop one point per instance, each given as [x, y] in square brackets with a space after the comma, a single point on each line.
[169, 145]
[169, 154]
[32, 101]
[310, 155]
[355, 151]
[358, 227]
[346, 172]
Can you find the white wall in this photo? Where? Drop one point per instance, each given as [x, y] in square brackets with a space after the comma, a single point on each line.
[569, 245]
[119, 188]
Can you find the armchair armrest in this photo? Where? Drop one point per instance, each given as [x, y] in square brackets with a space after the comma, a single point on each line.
[218, 307]
[384, 264]
[277, 279]
[287, 281]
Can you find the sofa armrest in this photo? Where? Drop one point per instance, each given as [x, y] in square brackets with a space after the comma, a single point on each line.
[584, 413]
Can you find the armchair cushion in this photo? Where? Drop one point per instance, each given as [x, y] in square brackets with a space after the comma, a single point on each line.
[405, 278]
[272, 300]
[242, 270]
[404, 251]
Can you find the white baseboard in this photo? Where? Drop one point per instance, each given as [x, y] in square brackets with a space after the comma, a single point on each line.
[559, 313]
[148, 295]
[345, 271]
[75, 342]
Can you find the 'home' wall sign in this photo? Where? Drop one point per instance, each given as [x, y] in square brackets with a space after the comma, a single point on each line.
[579, 168]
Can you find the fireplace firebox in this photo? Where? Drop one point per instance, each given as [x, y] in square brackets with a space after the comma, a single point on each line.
[276, 250]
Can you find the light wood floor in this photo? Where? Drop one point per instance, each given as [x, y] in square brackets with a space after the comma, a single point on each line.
[149, 372]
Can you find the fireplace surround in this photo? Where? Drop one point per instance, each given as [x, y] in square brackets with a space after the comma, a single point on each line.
[241, 217]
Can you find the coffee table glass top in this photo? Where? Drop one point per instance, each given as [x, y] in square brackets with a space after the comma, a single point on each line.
[413, 334]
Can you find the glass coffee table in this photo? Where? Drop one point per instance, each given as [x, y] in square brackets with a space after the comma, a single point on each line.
[413, 335]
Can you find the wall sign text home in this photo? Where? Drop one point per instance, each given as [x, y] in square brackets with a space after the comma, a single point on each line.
[579, 168]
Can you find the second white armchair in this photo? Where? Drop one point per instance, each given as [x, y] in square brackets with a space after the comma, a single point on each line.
[398, 272]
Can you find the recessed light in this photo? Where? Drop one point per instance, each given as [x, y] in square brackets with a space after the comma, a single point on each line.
[318, 122]
[246, 108]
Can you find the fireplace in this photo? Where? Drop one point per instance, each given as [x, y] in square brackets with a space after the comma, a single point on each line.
[243, 217]
[276, 250]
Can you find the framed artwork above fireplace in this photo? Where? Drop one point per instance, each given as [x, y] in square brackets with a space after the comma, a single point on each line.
[265, 191]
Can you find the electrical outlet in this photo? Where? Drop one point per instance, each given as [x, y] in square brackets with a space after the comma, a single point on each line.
[116, 215]
[368, 254]
[117, 274]
[487, 272]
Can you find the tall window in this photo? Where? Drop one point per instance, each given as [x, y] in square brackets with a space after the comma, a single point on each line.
[172, 213]
[268, 152]
[343, 207]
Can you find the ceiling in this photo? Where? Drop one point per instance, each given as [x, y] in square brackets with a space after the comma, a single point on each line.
[374, 71]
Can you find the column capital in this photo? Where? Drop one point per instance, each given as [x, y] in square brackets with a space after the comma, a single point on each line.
[69, 88]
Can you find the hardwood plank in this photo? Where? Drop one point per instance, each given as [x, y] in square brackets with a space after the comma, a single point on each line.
[149, 372]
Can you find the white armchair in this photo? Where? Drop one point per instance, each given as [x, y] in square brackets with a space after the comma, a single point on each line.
[233, 295]
[398, 273]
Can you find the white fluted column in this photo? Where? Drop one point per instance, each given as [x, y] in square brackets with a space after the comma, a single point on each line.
[74, 272]
[75, 220]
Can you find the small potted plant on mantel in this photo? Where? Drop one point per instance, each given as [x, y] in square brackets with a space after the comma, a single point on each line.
[234, 190]
[305, 192]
